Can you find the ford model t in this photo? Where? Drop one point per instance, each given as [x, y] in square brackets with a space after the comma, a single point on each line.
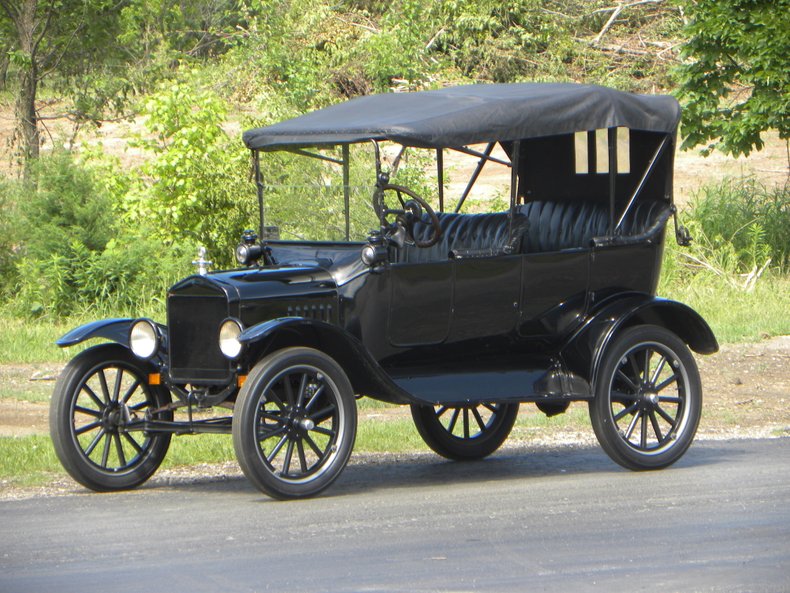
[461, 315]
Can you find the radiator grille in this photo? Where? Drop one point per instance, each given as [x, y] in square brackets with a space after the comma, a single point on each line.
[193, 327]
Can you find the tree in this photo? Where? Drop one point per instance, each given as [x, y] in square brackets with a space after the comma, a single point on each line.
[735, 75]
[59, 39]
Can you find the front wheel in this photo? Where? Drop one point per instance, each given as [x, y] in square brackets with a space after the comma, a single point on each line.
[99, 399]
[464, 432]
[294, 423]
[648, 398]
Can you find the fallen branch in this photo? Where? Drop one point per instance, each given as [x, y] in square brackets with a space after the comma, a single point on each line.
[616, 10]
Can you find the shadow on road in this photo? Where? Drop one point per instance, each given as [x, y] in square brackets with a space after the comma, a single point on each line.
[370, 472]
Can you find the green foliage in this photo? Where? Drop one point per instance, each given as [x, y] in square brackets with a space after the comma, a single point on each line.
[735, 78]
[741, 224]
[195, 185]
[74, 254]
[65, 210]
[9, 237]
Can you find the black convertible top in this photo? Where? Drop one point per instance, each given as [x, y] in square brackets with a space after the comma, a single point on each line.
[472, 114]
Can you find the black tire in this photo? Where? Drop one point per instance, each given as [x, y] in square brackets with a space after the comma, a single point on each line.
[648, 398]
[294, 423]
[481, 431]
[98, 392]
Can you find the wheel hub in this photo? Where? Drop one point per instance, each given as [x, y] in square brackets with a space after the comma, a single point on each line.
[648, 397]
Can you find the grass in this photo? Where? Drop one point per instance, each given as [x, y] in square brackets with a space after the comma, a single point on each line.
[33, 341]
[736, 315]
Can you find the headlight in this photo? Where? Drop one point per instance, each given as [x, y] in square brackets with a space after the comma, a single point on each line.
[144, 338]
[229, 338]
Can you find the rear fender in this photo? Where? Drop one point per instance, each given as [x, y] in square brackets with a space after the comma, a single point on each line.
[366, 375]
[584, 351]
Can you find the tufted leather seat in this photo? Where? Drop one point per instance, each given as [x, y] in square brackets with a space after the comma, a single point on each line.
[464, 233]
[539, 226]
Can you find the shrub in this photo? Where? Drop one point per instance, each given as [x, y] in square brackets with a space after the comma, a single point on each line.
[740, 230]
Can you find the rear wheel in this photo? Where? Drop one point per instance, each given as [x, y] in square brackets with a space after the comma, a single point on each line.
[97, 397]
[294, 423]
[465, 432]
[648, 398]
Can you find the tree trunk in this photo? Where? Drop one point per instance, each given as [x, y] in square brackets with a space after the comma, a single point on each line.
[26, 134]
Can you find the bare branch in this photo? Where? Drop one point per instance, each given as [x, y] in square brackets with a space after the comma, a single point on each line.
[629, 5]
[615, 13]
[45, 28]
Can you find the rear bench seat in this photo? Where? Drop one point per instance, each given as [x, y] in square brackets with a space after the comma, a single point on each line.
[539, 226]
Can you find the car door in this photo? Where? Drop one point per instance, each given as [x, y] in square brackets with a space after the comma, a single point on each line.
[420, 303]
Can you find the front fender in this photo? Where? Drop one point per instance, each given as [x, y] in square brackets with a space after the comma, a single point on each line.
[585, 349]
[116, 330]
[366, 375]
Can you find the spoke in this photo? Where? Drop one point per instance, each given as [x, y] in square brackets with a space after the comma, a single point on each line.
[323, 414]
[666, 383]
[289, 451]
[479, 419]
[133, 443]
[441, 411]
[627, 380]
[491, 408]
[643, 435]
[105, 390]
[273, 417]
[130, 392]
[119, 449]
[670, 399]
[87, 428]
[105, 456]
[271, 395]
[656, 427]
[267, 434]
[466, 423]
[324, 431]
[659, 368]
[140, 406]
[635, 366]
[618, 395]
[302, 458]
[629, 410]
[453, 420]
[276, 449]
[314, 399]
[646, 368]
[94, 442]
[665, 416]
[313, 446]
[88, 411]
[632, 425]
[289, 390]
[93, 396]
[302, 389]
[116, 390]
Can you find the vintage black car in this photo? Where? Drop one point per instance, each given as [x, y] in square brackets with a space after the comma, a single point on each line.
[462, 316]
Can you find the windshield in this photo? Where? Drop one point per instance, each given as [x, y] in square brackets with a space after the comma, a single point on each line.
[305, 196]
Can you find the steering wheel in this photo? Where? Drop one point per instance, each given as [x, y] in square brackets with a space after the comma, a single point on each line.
[410, 213]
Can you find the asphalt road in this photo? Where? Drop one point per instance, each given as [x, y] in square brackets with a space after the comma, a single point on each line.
[545, 520]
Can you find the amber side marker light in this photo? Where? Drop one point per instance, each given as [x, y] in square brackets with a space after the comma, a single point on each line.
[154, 379]
[241, 379]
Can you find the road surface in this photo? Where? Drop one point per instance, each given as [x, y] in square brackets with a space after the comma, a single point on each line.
[562, 519]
